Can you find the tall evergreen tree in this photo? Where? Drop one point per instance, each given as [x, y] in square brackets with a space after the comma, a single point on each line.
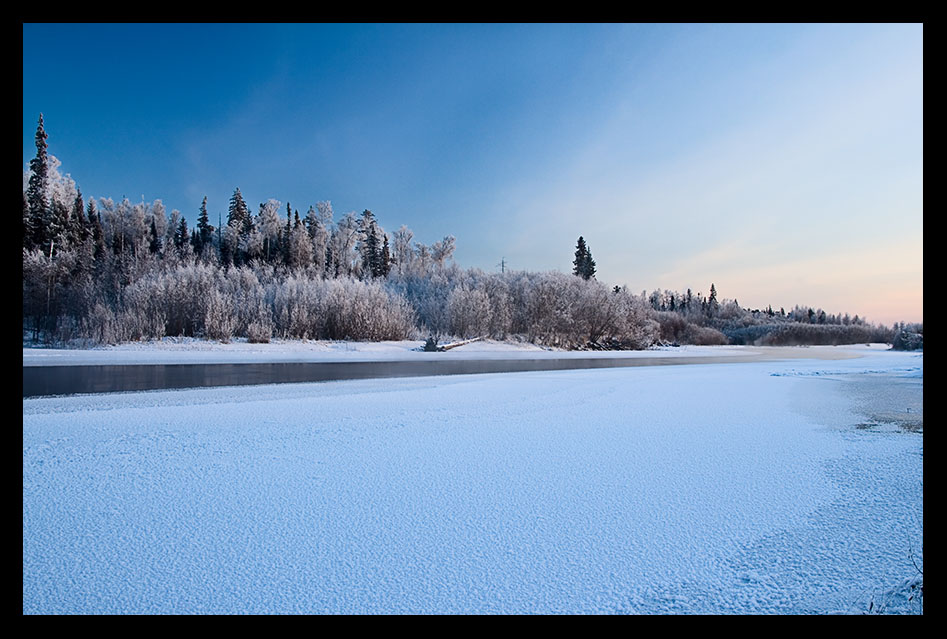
[589, 266]
[238, 211]
[385, 266]
[584, 265]
[154, 245]
[95, 229]
[286, 239]
[37, 194]
[58, 225]
[79, 229]
[369, 248]
[205, 232]
[238, 215]
[182, 236]
[27, 229]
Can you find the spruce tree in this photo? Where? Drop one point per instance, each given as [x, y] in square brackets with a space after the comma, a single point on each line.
[37, 195]
[58, 225]
[80, 230]
[584, 265]
[205, 232]
[238, 218]
[95, 228]
[182, 236]
[385, 267]
[589, 266]
[238, 211]
[370, 245]
[154, 246]
[27, 228]
[287, 235]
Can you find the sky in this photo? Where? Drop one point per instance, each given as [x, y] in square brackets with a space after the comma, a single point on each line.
[781, 162]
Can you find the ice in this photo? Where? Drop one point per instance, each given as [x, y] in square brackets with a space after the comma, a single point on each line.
[719, 488]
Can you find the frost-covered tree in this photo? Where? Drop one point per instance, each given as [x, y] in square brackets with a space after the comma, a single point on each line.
[318, 222]
[300, 246]
[344, 259]
[270, 227]
[403, 256]
[443, 251]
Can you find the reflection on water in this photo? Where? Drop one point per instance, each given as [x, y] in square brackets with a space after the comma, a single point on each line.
[67, 380]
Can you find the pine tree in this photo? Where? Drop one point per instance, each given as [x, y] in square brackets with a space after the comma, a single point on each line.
[385, 267]
[95, 228]
[37, 195]
[196, 241]
[238, 219]
[581, 254]
[154, 246]
[584, 265]
[369, 248]
[58, 225]
[80, 230]
[238, 211]
[287, 235]
[205, 231]
[27, 229]
[182, 236]
[589, 266]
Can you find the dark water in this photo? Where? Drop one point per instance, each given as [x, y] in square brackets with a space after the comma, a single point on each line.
[68, 380]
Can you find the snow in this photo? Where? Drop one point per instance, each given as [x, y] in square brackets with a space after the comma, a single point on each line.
[194, 351]
[716, 488]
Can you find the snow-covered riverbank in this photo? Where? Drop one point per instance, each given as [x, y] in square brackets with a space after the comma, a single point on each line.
[716, 488]
[193, 351]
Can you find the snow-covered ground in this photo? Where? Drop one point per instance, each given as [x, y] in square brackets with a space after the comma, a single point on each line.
[195, 351]
[764, 487]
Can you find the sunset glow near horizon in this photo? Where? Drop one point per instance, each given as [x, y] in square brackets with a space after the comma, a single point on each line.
[783, 163]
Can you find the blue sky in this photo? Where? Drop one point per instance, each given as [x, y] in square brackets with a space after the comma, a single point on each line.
[781, 162]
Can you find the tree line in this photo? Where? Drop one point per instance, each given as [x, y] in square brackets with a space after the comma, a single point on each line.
[108, 272]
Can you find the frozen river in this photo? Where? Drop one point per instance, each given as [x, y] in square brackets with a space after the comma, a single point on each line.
[52, 379]
[791, 486]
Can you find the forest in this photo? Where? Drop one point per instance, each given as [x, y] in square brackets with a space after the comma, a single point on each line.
[106, 272]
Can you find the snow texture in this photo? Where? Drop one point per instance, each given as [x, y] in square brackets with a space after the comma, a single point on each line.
[688, 489]
[184, 350]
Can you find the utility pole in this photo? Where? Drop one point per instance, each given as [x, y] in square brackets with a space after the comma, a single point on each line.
[502, 265]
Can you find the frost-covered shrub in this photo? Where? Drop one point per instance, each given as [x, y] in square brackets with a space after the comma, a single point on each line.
[259, 332]
[909, 338]
[144, 315]
[97, 326]
[360, 310]
[428, 295]
[672, 326]
[793, 333]
[297, 308]
[219, 319]
[469, 311]
[703, 336]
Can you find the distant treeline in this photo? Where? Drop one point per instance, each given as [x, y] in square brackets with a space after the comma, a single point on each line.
[106, 272]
